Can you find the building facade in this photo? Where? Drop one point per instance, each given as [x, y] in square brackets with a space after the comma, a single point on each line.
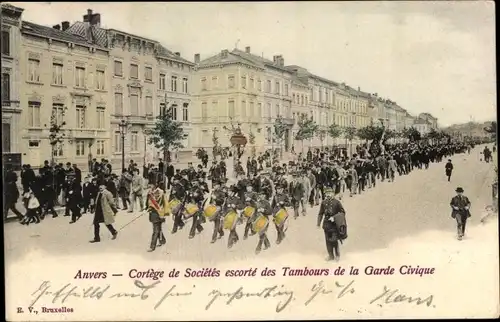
[433, 121]
[145, 79]
[11, 78]
[409, 120]
[63, 79]
[238, 87]
[423, 126]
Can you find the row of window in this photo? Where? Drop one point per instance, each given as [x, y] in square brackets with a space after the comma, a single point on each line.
[300, 99]
[133, 139]
[148, 76]
[58, 75]
[79, 148]
[247, 109]
[134, 101]
[81, 113]
[246, 83]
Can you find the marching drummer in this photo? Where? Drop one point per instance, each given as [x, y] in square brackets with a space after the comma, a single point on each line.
[155, 207]
[280, 201]
[264, 209]
[178, 192]
[197, 197]
[218, 199]
[250, 201]
[231, 208]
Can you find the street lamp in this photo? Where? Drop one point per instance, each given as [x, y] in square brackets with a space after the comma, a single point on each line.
[123, 131]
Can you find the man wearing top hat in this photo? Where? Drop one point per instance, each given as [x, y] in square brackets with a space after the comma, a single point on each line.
[460, 206]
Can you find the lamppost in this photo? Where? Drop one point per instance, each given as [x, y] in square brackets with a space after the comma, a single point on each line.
[239, 141]
[123, 131]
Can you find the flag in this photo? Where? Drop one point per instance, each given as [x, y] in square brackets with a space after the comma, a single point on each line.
[159, 206]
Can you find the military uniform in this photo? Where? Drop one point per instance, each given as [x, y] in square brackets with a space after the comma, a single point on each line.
[328, 209]
[264, 208]
[155, 218]
[178, 192]
[250, 200]
[231, 204]
[196, 196]
[218, 198]
[280, 201]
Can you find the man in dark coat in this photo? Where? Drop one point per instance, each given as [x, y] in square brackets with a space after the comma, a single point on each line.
[297, 194]
[170, 173]
[11, 195]
[74, 199]
[448, 169]
[178, 192]
[331, 207]
[104, 213]
[460, 206]
[78, 173]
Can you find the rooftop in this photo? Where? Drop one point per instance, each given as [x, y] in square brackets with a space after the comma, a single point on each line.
[49, 32]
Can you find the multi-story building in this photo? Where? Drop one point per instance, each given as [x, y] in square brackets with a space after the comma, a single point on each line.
[321, 106]
[409, 120]
[400, 117]
[433, 121]
[11, 78]
[145, 78]
[300, 100]
[64, 78]
[390, 112]
[240, 87]
[422, 125]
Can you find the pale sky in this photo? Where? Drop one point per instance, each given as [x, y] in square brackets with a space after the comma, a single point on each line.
[428, 57]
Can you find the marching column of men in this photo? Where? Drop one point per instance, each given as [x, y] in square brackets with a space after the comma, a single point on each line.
[255, 200]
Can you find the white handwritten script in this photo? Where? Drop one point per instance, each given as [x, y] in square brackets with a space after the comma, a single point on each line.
[284, 297]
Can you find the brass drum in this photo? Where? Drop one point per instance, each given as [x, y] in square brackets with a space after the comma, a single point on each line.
[248, 212]
[190, 210]
[230, 220]
[173, 206]
[211, 212]
[280, 217]
[260, 224]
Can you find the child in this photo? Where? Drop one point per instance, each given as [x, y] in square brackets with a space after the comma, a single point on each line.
[31, 210]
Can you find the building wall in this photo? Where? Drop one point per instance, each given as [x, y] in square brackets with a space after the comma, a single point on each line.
[157, 80]
[423, 128]
[300, 106]
[255, 107]
[11, 108]
[41, 92]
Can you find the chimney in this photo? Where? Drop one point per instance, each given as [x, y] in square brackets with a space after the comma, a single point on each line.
[197, 58]
[275, 59]
[95, 20]
[281, 61]
[247, 49]
[88, 16]
[57, 27]
[224, 53]
[359, 89]
[65, 25]
[178, 54]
